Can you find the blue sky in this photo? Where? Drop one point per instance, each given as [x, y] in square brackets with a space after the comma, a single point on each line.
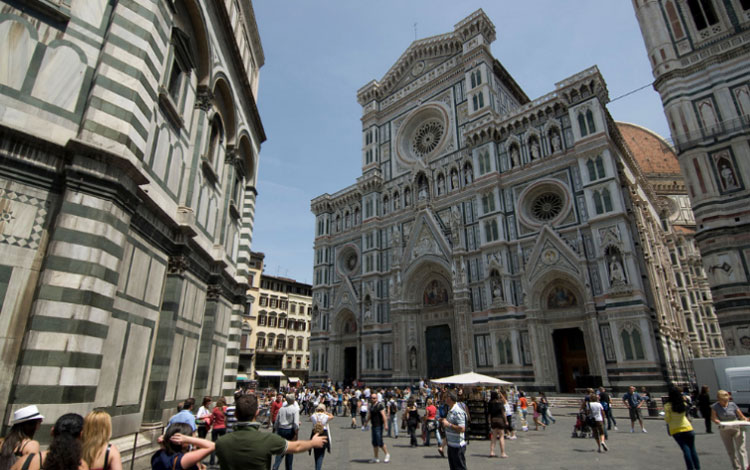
[320, 52]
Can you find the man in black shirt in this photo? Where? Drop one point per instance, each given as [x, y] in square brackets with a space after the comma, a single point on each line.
[606, 402]
[376, 415]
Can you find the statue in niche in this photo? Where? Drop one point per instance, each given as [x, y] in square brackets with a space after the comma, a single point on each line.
[413, 358]
[441, 185]
[728, 179]
[616, 271]
[368, 309]
[454, 179]
[535, 151]
[514, 157]
[456, 226]
[468, 175]
[422, 194]
[396, 202]
[555, 141]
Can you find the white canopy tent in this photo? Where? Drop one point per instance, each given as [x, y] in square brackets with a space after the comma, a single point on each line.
[471, 378]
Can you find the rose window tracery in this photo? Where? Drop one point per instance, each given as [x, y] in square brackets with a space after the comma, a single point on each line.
[427, 137]
[546, 206]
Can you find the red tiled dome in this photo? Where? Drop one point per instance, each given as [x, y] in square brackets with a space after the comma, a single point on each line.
[651, 151]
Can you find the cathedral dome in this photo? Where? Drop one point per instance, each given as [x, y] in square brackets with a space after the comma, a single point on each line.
[653, 154]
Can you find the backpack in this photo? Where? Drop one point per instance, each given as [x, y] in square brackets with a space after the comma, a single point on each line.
[393, 407]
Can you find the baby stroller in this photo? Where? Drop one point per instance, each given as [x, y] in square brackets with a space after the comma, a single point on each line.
[581, 429]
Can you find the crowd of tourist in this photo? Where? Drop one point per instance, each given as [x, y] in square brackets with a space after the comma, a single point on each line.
[238, 440]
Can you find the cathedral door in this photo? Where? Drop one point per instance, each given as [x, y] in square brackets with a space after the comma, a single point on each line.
[439, 351]
[350, 365]
[572, 363]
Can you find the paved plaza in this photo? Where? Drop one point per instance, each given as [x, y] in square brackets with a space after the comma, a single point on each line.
[550, 449]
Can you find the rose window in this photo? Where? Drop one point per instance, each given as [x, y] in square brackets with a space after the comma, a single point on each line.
[546, 206]
[426, 138]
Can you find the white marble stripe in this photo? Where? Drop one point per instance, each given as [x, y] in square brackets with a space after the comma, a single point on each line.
[46, 375]
[77, 282]
[54, 341]
[83, 253]
[57, 309]
[95, 202]
[120, 125]
[91, 227]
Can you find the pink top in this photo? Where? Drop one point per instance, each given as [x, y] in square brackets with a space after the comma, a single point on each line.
[431, 412]
[219, 418]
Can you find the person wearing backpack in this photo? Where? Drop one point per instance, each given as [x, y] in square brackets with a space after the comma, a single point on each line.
[392, 415]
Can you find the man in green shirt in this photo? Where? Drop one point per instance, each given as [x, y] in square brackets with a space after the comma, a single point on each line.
[247, 448]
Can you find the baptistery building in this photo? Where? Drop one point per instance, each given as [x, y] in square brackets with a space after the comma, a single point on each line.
[490, 232]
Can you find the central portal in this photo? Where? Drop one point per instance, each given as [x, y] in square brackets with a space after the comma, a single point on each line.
[439, 351]
[350, 365]
[572, 363]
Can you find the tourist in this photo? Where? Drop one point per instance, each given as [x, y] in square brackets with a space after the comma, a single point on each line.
[354, 408]
[363, 410]
[442, 414]
[64, 452]
[498, 423]
[203, 417]
[411, 418]
[276, 406]
[179, 450]
[537, 414]
[595, 419]
[392, 414]
[19, 442]
[675, 414]
[704, 405]
[185, 415]
[523, 406]
[732, 436]
[287, 426]
[510, 431]
[320, 420]
[376, 416]
[96, 449]
[218, 423]
[633, 402]
[544, 409]
[430, 423]
[606, 400]
[455, 426]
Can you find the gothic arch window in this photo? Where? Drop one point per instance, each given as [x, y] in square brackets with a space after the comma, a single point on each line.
[607, 200]
[215, 140]
[631, 343]
[590, 121]
[595, 167]
[591, 169]
[600, 166]
[674, 20]
[582, 124]
[703, 13]
[586, 122]
[491, 232]
[347, 220]
[505, 351]
[338, 222]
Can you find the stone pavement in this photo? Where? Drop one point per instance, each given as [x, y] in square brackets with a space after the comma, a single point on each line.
[550, 449]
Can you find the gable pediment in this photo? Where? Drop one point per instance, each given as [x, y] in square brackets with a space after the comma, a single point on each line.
[426, 239]
[552, 253]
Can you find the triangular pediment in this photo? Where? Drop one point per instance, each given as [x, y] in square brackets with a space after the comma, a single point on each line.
[346, 296]
[426, 239]
[551, 252]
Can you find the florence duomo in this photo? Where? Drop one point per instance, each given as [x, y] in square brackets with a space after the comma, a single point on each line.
[534, 240]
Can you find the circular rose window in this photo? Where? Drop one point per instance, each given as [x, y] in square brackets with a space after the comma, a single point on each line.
[546, 201]
[546, 206]
[426, 138]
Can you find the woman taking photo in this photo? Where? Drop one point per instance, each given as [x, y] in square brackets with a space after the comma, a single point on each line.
[320, 420]
[97, 452]
[20, 439]
[498, 424]
[675, 414]
[176, 453]
[732, 436]
[64, 450]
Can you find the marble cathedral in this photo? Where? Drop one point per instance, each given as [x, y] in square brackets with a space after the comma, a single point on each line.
[129, 141]
[529, 240]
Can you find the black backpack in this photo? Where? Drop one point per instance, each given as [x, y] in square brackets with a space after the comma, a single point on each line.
[393, 407]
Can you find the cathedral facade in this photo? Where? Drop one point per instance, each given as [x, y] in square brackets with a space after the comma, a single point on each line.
[493, 233]
[129, 143]
[699, 53]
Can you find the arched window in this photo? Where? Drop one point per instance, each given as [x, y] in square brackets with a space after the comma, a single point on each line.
[637, 346]
[262, 319]
[592, 170]
[484, 162]
[590, 121]
[347, 220]
[703, 13]
[215, 140]
[504, 351]
[607, 200]
[582, 124]
[598, 203]
[473, 80]
[625, 336]
[600, 166]
[631, 344]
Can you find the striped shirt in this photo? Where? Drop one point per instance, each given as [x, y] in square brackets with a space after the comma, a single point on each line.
[456, 416]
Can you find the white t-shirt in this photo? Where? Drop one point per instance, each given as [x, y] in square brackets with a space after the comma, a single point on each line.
[321, 418]
[596, 410]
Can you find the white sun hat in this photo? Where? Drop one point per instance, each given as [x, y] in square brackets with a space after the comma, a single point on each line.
[27, 413]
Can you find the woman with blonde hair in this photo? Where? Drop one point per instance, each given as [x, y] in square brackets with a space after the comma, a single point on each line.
[97, 452]
[733, 437]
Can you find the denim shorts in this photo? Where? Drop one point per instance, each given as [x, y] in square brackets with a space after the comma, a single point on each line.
[377, 436]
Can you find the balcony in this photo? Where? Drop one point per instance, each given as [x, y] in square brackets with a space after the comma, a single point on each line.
[685, 142]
